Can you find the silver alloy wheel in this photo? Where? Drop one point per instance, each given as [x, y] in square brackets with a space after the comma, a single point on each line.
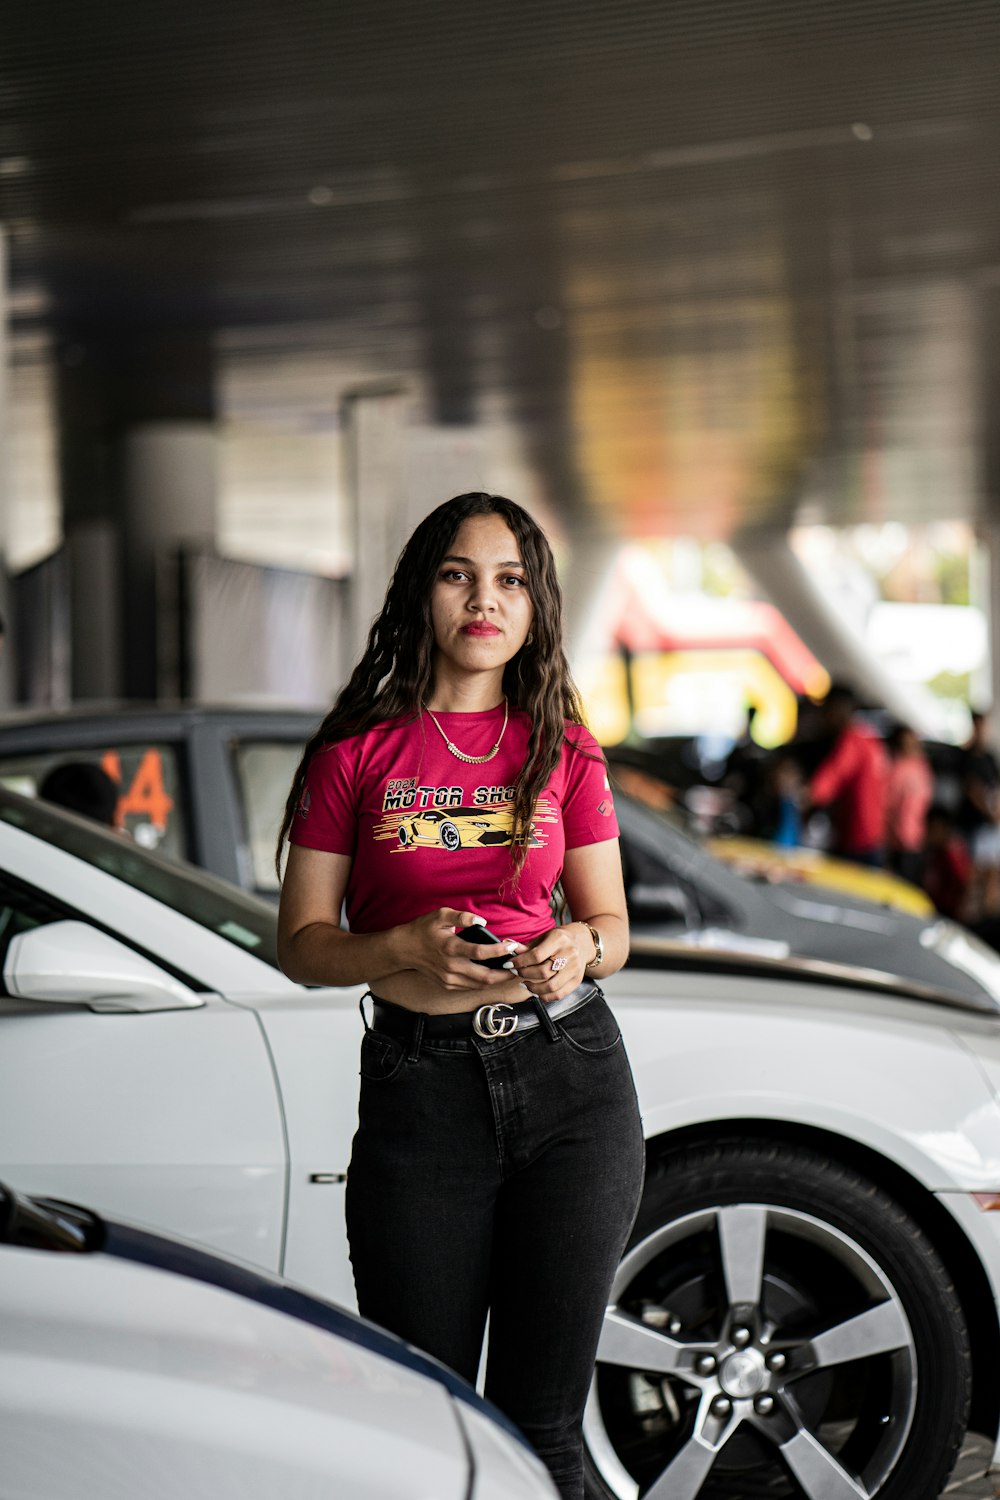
[744, 1376]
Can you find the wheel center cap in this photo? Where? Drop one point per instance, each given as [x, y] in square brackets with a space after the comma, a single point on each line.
[743, 1374]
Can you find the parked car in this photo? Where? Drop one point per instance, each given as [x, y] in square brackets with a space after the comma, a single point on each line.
[803, 866]
[677, 889]
[134, 1364]
[209, 785]
[203, 784]
[811, 1288]
[697, 813]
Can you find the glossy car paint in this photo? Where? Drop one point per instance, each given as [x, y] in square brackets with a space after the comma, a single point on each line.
[758, 859]
[118, 1378]
[231, 1122]
[900, 1077]
[730, 912]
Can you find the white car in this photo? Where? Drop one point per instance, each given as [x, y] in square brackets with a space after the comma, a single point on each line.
[809, 1303]
[135, 1365]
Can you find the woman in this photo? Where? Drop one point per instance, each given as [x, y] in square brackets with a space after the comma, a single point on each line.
[497, 1164]
[909, 793]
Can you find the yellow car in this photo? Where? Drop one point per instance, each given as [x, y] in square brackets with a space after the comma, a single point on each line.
[460, 827]
[766, 861]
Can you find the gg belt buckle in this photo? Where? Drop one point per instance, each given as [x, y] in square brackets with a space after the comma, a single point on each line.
[489, 1023]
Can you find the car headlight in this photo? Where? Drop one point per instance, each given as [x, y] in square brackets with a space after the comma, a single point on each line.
[965, 951]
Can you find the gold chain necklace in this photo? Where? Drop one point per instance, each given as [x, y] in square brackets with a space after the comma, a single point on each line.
[472, 760]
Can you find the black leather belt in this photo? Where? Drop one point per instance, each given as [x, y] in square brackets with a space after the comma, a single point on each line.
[489, 1022]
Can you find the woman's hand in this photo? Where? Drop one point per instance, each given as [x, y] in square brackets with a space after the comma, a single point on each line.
[554, 964]
[431, 945]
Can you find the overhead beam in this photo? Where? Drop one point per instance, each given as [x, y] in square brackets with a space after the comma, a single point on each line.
[835, 640]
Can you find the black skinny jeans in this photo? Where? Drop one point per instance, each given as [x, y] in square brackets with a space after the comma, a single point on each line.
[500, 1176]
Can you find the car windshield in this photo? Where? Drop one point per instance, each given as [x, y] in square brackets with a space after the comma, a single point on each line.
[240, 919]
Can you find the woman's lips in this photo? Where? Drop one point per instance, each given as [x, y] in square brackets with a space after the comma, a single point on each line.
[480, 630]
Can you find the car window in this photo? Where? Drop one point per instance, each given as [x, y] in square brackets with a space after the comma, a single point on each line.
[264, 771]
[240, 919]
[151, 803]
[657, 894]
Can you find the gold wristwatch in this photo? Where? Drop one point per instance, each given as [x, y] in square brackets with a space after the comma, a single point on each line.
[598, 948]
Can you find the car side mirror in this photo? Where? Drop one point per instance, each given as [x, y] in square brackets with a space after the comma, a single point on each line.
[72, 963]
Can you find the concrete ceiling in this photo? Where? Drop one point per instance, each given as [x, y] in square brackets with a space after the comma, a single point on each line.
[719, 262]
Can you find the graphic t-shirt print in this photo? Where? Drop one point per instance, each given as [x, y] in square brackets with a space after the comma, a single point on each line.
[418, 816]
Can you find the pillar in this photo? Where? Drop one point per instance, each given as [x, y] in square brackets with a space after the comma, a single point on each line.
[168, 484]
[139, 480]
[985, 687]
[373, 419]
[8, 644]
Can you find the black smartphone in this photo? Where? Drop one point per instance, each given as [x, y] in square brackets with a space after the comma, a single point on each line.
[477, 934]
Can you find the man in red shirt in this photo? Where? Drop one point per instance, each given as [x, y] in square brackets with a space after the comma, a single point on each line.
[852, 781]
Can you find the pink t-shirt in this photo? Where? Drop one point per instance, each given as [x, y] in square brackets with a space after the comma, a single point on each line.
[425, 829]
[911, 789]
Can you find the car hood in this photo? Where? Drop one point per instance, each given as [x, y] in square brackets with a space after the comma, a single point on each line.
[927, 951]
[50, 1224]
[728, 911]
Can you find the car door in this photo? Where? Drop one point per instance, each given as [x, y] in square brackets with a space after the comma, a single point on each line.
[167, 1116]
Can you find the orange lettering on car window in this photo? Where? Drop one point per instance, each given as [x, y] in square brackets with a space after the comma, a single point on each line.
[147, 796]
[111, 762]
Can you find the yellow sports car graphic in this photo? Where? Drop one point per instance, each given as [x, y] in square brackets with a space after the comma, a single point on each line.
[454, 828]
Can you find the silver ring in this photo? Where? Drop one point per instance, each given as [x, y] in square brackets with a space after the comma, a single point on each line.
[558, 963]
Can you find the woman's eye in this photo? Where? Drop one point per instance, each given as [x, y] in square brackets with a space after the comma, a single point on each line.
[515, 578]
[450, 574]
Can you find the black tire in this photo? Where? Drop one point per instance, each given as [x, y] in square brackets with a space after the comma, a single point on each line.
[450, 836]
[404, 837]
[753, 1258]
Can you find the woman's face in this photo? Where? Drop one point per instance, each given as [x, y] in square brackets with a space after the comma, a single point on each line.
[480, 608]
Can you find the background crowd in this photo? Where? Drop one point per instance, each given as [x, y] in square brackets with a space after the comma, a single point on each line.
[929, 813]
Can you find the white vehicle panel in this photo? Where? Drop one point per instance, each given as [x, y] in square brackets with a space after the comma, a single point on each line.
[172, 937]
[169, 1117]
[502, 1470]
[118, 1380]
[315, 1037]
[982, 1229]
[885, 1072]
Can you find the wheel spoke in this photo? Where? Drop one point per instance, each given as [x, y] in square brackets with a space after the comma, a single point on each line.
[877, 1331]
[817, 1471]
[684, 1476]
[742, 1232]
[626, 1341]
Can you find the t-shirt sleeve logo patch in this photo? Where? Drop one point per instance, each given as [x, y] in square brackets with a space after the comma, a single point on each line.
[305, 802]
[605, 807]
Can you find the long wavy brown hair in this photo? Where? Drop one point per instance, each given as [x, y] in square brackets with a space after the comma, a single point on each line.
[395, 675]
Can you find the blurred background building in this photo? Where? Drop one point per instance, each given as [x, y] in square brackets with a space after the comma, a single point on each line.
[712, 287]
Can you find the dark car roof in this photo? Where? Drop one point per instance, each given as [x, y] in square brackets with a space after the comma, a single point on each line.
[28, 729]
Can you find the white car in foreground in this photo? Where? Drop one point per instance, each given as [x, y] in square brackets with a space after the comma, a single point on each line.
[809, 1303]
[132, 1365]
